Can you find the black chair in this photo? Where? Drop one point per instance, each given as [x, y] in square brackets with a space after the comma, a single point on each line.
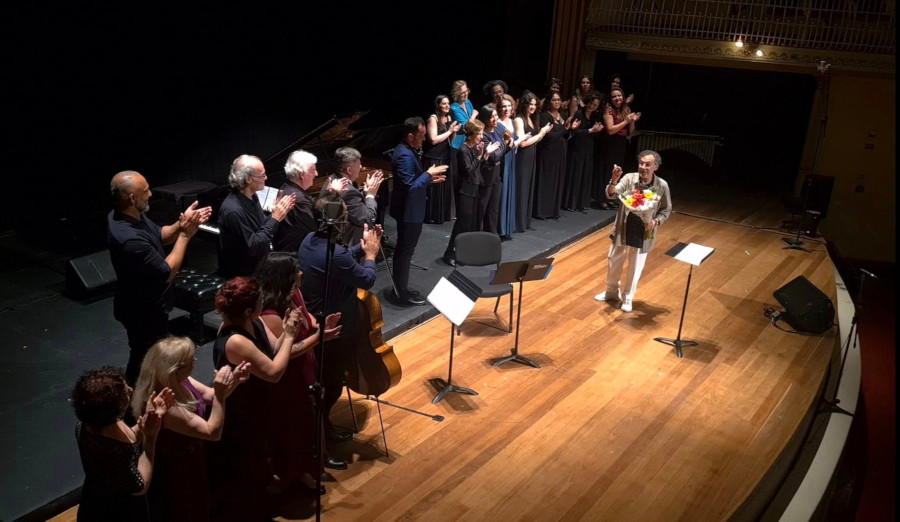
[483, 249]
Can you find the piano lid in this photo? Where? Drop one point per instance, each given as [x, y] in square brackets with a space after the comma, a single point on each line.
[349, 130]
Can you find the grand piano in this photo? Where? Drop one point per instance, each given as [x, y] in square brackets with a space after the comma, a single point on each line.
[374, 142]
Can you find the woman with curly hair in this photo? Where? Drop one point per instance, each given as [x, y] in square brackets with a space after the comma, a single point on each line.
[619, 123]
[117, 458]
[181, 488]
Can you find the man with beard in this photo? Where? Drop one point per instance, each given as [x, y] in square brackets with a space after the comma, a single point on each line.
[144, 293]
[631, 236]
[246, 231]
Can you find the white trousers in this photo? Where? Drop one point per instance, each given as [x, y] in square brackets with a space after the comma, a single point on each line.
[636, 260]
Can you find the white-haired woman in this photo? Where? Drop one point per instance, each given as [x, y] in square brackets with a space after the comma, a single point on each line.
[180, 489]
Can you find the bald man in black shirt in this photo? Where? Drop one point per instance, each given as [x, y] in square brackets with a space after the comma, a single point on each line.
[144, 272]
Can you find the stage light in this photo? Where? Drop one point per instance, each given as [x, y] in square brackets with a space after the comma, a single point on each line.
[759, 53]
[739, 42]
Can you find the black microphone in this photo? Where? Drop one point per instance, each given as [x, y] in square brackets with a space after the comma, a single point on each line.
[867, 273]
[388, 152]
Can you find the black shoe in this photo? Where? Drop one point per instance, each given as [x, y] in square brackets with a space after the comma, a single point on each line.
[412, 299]
[450, 260]
[506, 238]
[333, 463]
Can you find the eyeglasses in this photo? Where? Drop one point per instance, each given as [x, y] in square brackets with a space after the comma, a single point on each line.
[259, 176]
[467, 91]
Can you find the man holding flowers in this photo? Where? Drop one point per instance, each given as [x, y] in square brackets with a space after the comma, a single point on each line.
[644, 205]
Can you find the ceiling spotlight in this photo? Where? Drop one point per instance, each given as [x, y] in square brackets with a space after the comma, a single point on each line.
[759, 53]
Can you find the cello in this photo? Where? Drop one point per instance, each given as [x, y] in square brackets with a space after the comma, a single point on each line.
[375, 368]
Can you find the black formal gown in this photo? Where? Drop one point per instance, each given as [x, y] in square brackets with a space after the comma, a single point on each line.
[440, 195]
[580, 163]
[550, 171]
[525, 163]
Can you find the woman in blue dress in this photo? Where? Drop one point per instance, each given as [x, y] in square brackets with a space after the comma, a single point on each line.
[507, 223]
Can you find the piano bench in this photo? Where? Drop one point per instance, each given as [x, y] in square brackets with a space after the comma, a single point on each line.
[195, 293]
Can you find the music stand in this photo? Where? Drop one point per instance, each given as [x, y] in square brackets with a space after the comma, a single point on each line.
[520, 271]
[454, 297]
[692, 254]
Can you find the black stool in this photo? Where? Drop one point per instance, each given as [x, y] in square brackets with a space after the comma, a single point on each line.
[195, 293]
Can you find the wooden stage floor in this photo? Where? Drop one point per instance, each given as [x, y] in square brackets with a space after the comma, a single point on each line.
[613, 426]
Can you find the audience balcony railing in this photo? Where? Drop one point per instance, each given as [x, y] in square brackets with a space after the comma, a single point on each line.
[860, 26]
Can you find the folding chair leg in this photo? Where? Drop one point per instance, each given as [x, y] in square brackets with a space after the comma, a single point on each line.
[497, 304]
[510, 313]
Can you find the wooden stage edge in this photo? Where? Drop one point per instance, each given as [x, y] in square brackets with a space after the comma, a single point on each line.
[614, 426]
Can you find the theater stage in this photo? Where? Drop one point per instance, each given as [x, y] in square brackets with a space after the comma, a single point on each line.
[613, 426]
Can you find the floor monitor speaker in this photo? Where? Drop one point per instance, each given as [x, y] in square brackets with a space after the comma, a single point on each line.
[90, 274]
[807, 308]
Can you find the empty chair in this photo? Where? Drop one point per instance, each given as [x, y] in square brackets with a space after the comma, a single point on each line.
[483, 249]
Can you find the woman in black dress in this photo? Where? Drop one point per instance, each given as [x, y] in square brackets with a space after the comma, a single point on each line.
[440, 129]
[117, 458]
[526, 122]
[238, 467]
[551, 159]
[580, 165]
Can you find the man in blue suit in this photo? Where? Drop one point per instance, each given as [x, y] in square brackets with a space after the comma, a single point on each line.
[408, 203]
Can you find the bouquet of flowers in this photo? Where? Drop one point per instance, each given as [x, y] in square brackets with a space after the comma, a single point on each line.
[642, 203]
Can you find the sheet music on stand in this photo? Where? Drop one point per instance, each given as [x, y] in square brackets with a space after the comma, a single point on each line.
[691, 253]
[454, 296]
[267, 197]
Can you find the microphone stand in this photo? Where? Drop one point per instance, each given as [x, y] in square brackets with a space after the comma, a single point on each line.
[797, 244]
[831, 406]
[316, 389]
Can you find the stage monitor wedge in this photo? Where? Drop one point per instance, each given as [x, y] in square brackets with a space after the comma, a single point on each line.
[807, 309]
[90, 275]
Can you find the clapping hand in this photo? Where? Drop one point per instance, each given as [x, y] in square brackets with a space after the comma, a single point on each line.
[629, 99]
[575, 124]
[227, 380]
[332, 328]
[596, 128]
[455, 126]
[157, 405]
[291, 322]
[338, 185]
[545, 129]
[283, 206]
[204, 213]
[189, 221]
[493, 146]
[437, 173]
[371, 240]
[373, 181]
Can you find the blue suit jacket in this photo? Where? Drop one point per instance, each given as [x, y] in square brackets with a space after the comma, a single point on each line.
[410, 181]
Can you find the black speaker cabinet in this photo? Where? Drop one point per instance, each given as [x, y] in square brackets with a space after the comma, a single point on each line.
[90, 274]
[807, 309]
